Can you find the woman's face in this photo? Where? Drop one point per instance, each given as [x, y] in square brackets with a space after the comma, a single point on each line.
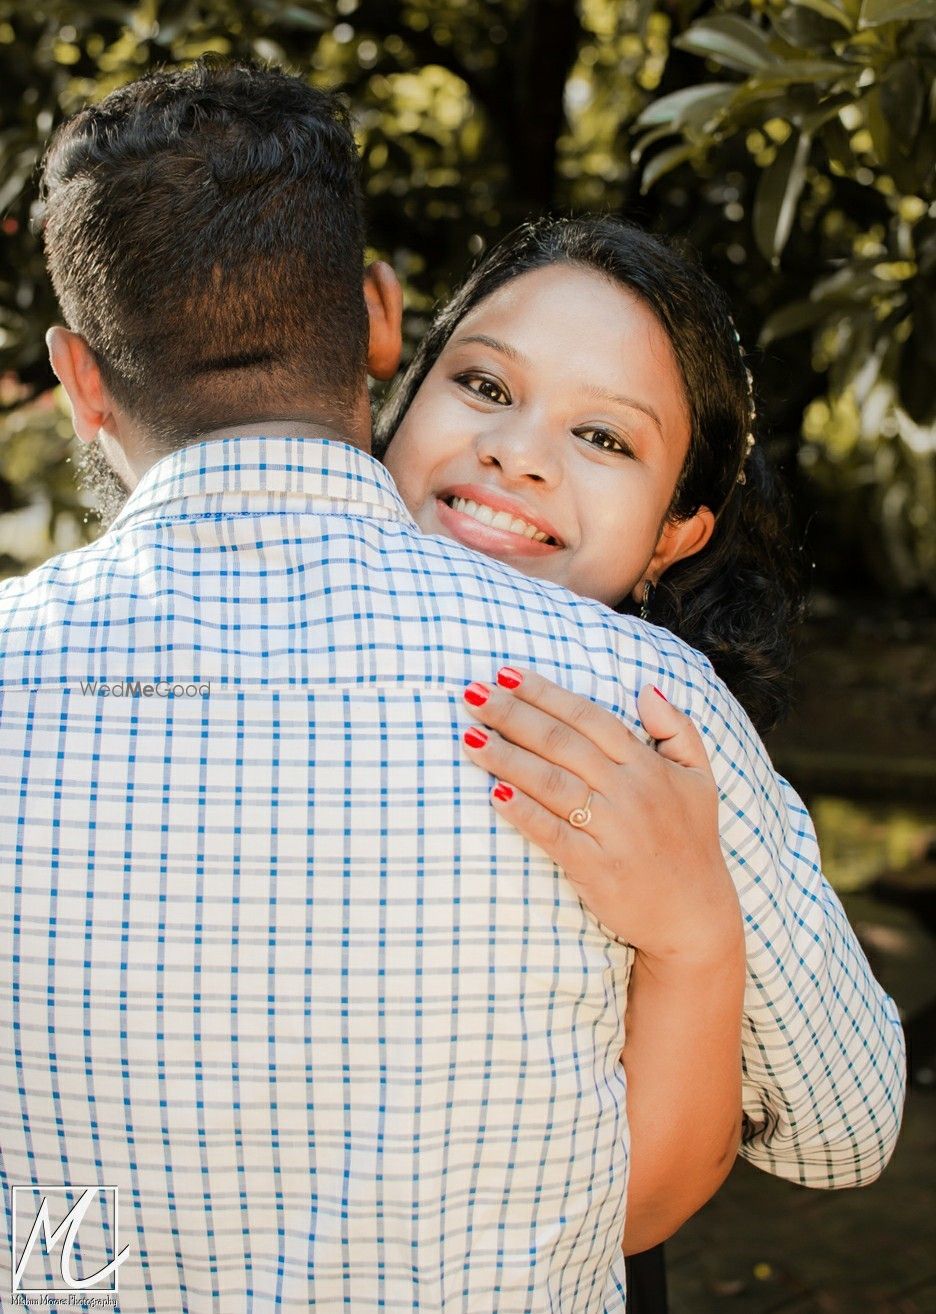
[550, 433]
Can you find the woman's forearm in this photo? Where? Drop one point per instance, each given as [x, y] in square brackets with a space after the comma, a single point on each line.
[683, 1062]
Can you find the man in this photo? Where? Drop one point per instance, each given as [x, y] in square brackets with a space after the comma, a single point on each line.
[337, 1039]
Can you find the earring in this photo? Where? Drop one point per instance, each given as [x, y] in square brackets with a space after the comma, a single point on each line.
[647, 603]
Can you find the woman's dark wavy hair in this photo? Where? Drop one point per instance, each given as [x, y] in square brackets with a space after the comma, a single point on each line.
[737, 600]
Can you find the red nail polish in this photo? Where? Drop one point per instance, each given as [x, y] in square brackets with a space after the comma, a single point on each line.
[477, 694]
[503, 793]
[660, 695]
[508, 678]
[474, 737]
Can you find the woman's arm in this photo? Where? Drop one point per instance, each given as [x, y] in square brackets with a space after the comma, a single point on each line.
[823, 1071]
[682, 1053]
[682, 1057]
[648, 864]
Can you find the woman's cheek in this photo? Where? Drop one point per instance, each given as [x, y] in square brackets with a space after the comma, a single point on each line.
[621, 540]
[408, 473]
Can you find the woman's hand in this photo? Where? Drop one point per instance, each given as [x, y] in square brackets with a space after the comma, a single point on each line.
[645, 856]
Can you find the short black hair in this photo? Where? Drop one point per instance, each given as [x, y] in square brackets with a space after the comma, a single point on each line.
[736, 600]
[203, 230]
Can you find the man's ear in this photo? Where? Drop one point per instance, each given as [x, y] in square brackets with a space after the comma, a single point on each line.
[79, 374]
[384, 298]
[679, 539]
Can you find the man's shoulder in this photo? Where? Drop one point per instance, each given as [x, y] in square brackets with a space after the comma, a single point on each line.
[450, 570]
[579, 634]
[38, 605]
[63, 571]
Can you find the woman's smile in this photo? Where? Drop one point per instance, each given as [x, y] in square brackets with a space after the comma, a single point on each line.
[484, 519]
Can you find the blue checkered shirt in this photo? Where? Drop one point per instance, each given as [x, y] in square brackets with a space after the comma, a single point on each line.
[272, 966]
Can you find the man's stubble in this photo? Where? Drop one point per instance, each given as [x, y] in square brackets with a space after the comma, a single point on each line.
[94, 475]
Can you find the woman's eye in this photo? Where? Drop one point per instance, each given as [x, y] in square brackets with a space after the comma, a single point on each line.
[485, 387]
[604, 440]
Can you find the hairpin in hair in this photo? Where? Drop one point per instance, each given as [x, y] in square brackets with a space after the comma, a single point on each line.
[749, 439]
[749, 444]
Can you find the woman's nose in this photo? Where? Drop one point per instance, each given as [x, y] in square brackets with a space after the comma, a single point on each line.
[519, 452]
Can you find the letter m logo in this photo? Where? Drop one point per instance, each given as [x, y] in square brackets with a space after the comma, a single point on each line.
[98, 1239]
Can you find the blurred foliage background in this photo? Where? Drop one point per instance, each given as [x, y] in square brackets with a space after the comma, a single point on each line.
[791, 142]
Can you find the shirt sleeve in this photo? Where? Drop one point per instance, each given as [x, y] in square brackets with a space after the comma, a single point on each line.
[824, 1063]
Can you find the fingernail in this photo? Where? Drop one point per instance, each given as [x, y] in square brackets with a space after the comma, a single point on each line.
[503, 793]
[477, 694]
[508, 678]
[660, 695]
[474, 737]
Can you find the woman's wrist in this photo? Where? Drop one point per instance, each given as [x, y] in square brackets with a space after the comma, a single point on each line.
[714, 944]
[696, 981]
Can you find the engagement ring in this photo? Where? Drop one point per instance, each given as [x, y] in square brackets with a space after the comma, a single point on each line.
[580, 817]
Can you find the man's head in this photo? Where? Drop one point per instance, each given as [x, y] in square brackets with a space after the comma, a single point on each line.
[204, 235]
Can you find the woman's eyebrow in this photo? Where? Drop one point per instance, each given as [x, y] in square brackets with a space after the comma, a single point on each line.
[504, 348]
[602, 394]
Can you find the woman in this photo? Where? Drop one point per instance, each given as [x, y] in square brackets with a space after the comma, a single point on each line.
[582, 411]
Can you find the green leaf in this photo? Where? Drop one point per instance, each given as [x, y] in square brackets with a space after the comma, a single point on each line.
[847, 286]
[675, 107]
[792, 318]
[643, 144]
[814, 119]
[662, 163]
[778, 194]
[876, 12]
[728, 40]
[791, 71]
[879, 126]
[296, 16]
[903, 96]
[804, 28]
[827, 9]
[837, 143]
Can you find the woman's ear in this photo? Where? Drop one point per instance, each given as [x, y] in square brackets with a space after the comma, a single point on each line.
[79, 374]
[678, 539]
[384, 298]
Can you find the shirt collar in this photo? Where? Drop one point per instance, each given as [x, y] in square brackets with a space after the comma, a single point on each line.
[258, 473]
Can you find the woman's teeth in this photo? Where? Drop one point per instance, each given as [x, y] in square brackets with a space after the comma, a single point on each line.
[486, 515]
